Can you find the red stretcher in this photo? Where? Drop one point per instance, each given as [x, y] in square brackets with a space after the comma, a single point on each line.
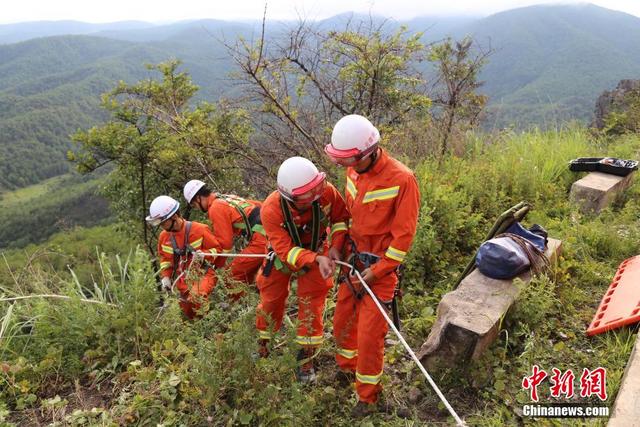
[620, 306]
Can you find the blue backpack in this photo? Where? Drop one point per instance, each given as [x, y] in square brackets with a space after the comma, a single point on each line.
[503, 258]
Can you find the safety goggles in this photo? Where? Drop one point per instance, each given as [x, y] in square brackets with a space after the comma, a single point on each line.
[347, 157]
[308, 193]
[155, 222]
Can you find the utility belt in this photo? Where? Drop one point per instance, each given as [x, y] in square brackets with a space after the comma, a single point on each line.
[360, 261]
[185, 250]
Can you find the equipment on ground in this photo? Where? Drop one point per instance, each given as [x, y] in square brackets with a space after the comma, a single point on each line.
[620, 305]
[610, 165]
[504, 221]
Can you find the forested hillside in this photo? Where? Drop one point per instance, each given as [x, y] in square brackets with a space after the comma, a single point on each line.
[551, 62]
[548, 66]
[51, 87]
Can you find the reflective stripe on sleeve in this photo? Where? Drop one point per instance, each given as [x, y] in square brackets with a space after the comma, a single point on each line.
[382, 194]
[338, 226]
[197, 243]
[395, 254]
[292, 256]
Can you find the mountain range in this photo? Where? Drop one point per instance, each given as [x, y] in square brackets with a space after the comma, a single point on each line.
[548, 66]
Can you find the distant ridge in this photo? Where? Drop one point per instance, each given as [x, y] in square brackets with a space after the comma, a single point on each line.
[549, 66]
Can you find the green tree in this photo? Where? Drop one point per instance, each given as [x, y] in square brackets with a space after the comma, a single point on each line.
[304, 81]
[457, 104]
[156, 142]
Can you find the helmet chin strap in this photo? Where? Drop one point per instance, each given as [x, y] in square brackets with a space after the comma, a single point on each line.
[295, 206]
[174, 218]
[373, 156]
[202, 208]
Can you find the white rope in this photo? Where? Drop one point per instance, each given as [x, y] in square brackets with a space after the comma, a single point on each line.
[238, 255]
[411, 353]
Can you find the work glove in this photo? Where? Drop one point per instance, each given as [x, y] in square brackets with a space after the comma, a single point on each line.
[166, 284]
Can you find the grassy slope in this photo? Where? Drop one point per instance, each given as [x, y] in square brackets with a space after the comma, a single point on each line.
[136, 364]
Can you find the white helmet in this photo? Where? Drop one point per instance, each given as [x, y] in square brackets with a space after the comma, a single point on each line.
[352, 139]
[161, 209]
[300, 181]
[191, 188]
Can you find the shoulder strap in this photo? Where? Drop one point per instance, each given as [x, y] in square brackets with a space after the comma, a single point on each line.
[186, 236]
[176, 255]
[174, 245]
[288, 222]
[242, 213]
[315, 225]
[293, 230]
[180, 251]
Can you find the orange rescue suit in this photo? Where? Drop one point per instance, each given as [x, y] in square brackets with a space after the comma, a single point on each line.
[199, 281]
[312, 288]
[383, 203]
[227, 223]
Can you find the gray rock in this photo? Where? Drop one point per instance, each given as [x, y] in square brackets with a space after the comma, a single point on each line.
[468, 318]
[613, 101]
[626, 409]
[597, 190]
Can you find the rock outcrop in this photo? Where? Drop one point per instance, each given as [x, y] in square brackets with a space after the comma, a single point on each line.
[614, 100]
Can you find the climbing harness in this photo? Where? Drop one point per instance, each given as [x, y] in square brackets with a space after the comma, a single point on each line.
[317, 236]
[361, 261]
[250, 223]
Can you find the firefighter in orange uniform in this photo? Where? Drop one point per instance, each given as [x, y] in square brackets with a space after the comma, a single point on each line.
[231, 217]
[383, 199]
[296, 218]
[182, 246]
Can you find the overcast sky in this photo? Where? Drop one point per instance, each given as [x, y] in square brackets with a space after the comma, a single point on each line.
[172, 10]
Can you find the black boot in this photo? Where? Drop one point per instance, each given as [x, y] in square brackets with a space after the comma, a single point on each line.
[363, 409]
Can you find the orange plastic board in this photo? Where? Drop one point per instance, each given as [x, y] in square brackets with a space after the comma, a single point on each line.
[620, 306]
